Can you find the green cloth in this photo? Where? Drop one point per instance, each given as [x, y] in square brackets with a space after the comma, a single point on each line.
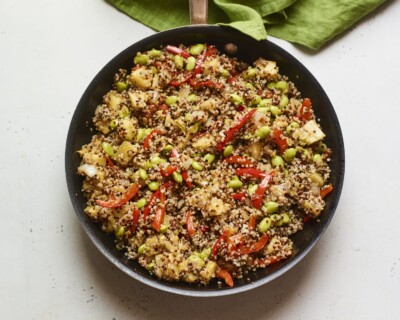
[311, 23]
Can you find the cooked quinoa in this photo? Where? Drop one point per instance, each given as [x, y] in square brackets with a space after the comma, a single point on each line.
[203, 166]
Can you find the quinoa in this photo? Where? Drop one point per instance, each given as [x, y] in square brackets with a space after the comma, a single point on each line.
[203, 166]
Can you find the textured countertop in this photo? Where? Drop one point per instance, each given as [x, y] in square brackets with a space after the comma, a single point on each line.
[50, 51]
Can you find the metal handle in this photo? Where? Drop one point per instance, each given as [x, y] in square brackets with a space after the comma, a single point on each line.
[198, 11]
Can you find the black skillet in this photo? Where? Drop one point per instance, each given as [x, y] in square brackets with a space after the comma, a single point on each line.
[248, 50]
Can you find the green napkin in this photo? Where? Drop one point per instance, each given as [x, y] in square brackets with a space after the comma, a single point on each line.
[311, 23]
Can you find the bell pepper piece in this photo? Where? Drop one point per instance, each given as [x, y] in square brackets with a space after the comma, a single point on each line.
[225, 275]
[280, 140]
[326, 190]
[178, 51]
[113, 202]
[254, 247]
[190, 224]
[230, 135]
[239, 160]
[146, 142]
[305, 110]
[250, 172]
[239, 196]
[261, 189]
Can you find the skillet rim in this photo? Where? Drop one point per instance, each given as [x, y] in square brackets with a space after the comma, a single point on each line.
[200, 291]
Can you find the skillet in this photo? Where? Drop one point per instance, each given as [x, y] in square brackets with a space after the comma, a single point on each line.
[248, 50]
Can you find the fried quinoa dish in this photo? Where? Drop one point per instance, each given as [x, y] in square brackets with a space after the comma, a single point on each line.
[203, 166]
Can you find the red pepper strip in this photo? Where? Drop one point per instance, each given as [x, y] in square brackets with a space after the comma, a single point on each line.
[176, 83]
[160, 213]
[168, 171]
[306, 219]
[235, 241]
[163, 107]
[146, 211]
[255, 247]
[146, 143]
[207, 83]
[112, 202]
[225, 275]
[239, 196]
[280, 140]
[217, 244]
[185, 176]
[109, 162]
[230, 135]
[266, 261]
[326, 190]
[189, 224]
[252, 222]
[231, 79]
[209, 51]
[259, 194]
[239, 160]
[135, 219]
[251, 172]
[178, 51]
[305, 110]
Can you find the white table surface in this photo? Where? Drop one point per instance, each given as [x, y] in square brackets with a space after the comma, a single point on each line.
[50, 51]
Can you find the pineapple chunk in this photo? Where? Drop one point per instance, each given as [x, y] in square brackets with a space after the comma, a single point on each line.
[268, 69]
[127, 129]
[125, 153]
[114, 100]
[203, 143]
[310, 133]
[217, 207]
[141, 78]
[138, 99]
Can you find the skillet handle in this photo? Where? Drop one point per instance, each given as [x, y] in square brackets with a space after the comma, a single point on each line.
[198, 11]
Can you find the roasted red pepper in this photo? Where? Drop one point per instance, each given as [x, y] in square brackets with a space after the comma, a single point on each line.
[217, 244]
[326, 190]
[239, 196]
[266, 261]
[305, 110]
[113, 202]
[190, 224]
[179, 51]
[135, 219]
[176, 83]
[251, 172]
[261, 189]
[209, 51]
[230, 135]
[280, 140]
[254, 247]
[185, 176]
[225, 275]
[146, 142]
[160, 212]
[252, 222]
[174, 153]
[239, 160]
[146, 211]
[168, 171]
[207, 83]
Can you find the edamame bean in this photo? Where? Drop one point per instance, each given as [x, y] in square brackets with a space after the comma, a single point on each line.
[141, 203]
[168, 148]
[209, 158]
[178, 61]
[275, 110]
[277, 161]
[225, 74]
[163, 228]
[264, 225]
[316, 178]
[143, 174]
[250, 73]
[157, 160]
[256, 100]
[197, 166]
[108, 149]
[197, 49]
[263, 109]
[291, 127]
[154, 53]
[121, 86]
[263, 132]
[142, 248]
[205, 253]
[265, 103]
[289, 154]
[271, 85]
[284, 101]
[249, 85]
[285, 218]
[191, 97]
[154, 185]
[282, 86]
[235, 184]
[141, 59]
[271, 207]
[120, 232]
[177, 177]
[236, 99]
[317, 158]
[114, 123]
[170, 100]
[190, 63]
[276, 219]
[228, 150]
